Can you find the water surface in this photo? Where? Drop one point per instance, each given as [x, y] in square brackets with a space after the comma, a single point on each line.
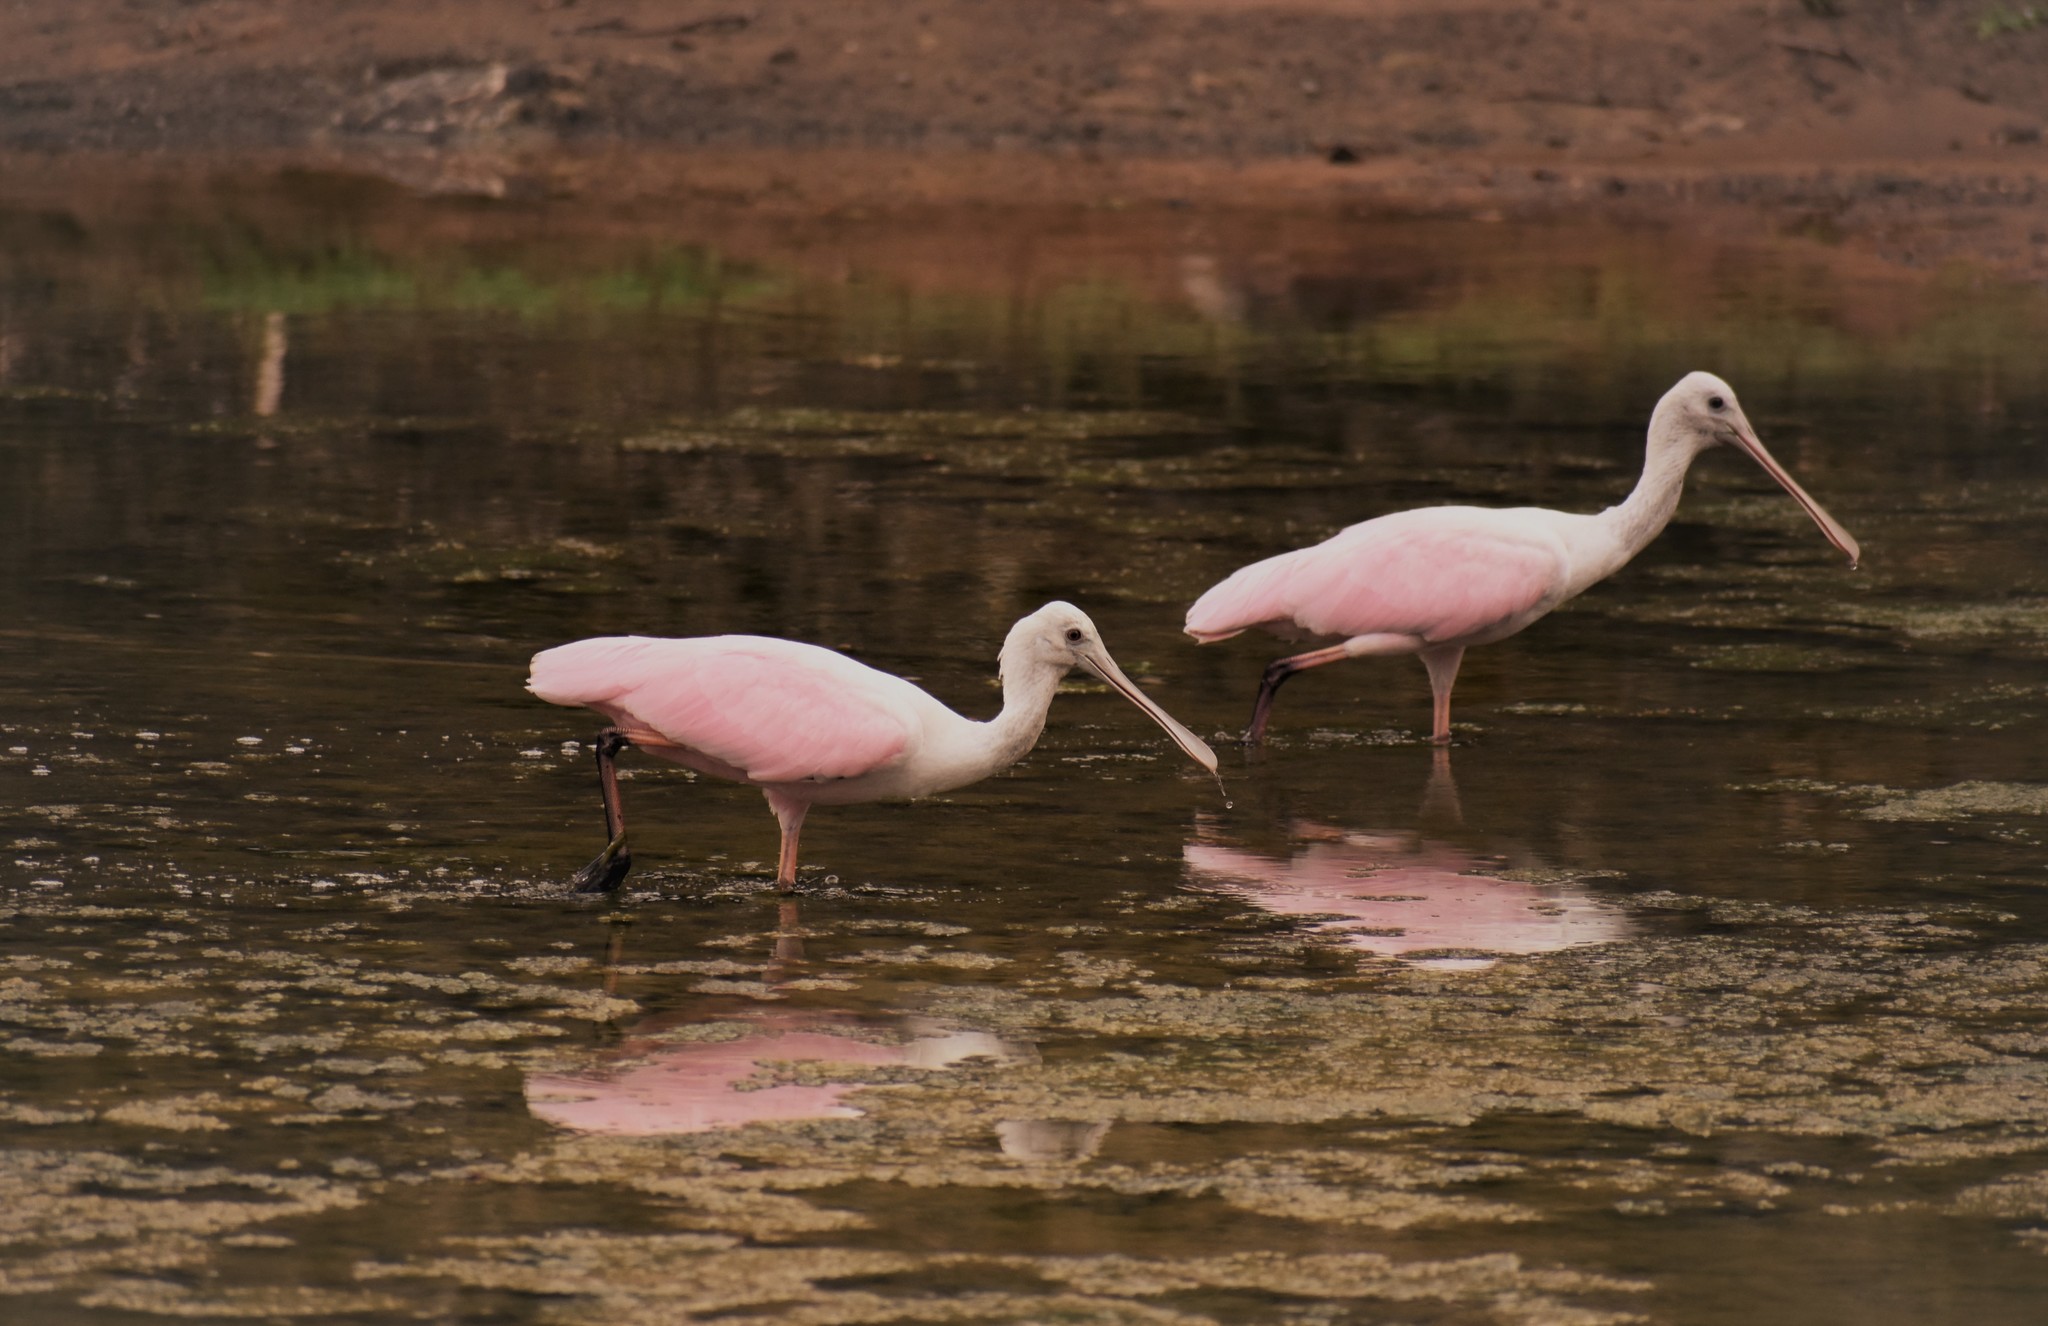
[1703, 981]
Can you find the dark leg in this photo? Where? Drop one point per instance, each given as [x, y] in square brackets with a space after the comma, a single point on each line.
[608, 870]
[1278, 671]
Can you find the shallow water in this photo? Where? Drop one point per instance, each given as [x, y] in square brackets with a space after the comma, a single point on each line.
[1703, 980]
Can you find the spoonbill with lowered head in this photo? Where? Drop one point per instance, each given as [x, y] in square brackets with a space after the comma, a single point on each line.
[1438, 580]
[811, 726]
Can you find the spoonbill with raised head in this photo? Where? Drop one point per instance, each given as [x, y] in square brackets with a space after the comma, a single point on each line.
[1438, 580]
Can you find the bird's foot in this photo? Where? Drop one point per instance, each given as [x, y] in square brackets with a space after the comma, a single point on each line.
[607, 871]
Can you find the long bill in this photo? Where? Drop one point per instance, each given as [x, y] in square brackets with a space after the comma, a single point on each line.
[1829, 526]
[1102, 665]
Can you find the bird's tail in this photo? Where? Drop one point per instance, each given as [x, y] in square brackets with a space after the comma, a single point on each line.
[1251, 596]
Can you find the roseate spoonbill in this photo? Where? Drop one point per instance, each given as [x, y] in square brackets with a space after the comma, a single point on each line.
[1438, 580]
[807, 725]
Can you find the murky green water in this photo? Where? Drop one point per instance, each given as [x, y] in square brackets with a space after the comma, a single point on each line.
[1705, 982]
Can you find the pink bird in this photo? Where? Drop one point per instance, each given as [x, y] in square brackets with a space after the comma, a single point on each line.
[810, 726]
[1438, 580]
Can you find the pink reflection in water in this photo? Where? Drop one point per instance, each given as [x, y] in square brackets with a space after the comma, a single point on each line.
[1397, 895]
[695, 1087]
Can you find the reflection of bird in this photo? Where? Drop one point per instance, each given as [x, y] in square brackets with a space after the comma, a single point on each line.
[1439, 580]
[697, 1086]
[807, 725]
[654, 1085]
[1397, 894]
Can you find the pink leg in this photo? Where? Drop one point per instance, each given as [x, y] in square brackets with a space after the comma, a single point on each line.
[1443, 674]
[789, 813]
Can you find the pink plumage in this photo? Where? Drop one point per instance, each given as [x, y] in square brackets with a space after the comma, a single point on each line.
[771, 711]
[1437, 581]
[809, 726]
[1440, 574]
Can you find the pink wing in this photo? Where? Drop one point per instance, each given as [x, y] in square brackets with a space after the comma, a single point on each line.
[775, 710]
[1440, 574]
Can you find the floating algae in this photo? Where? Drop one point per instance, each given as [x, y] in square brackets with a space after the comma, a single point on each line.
[1958, 801]
[75, 1219]
[678, 1278]
[164, 1298]
[1963, 801]
[1772, 658]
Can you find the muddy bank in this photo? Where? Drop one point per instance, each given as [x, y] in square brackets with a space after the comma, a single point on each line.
[1916, 132]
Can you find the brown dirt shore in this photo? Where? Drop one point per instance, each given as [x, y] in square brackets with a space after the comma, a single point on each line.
[1910, 131]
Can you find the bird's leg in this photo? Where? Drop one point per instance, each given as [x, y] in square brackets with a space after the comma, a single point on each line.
[789, 813]
[609, 868]
[1443, 674]
[1278, 671]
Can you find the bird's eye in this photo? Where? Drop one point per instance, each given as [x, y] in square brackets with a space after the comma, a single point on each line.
[1715, 402]
[1074, 636]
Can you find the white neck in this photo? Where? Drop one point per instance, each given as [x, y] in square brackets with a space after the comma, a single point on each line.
[959, 750]
[1027, 696]
[1627, 528]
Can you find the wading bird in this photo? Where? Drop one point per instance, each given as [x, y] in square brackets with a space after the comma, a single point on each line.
[1438, 580]
[809, 726]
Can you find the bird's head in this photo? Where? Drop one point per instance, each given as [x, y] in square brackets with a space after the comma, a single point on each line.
[1059, 637]
[1701, 412]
